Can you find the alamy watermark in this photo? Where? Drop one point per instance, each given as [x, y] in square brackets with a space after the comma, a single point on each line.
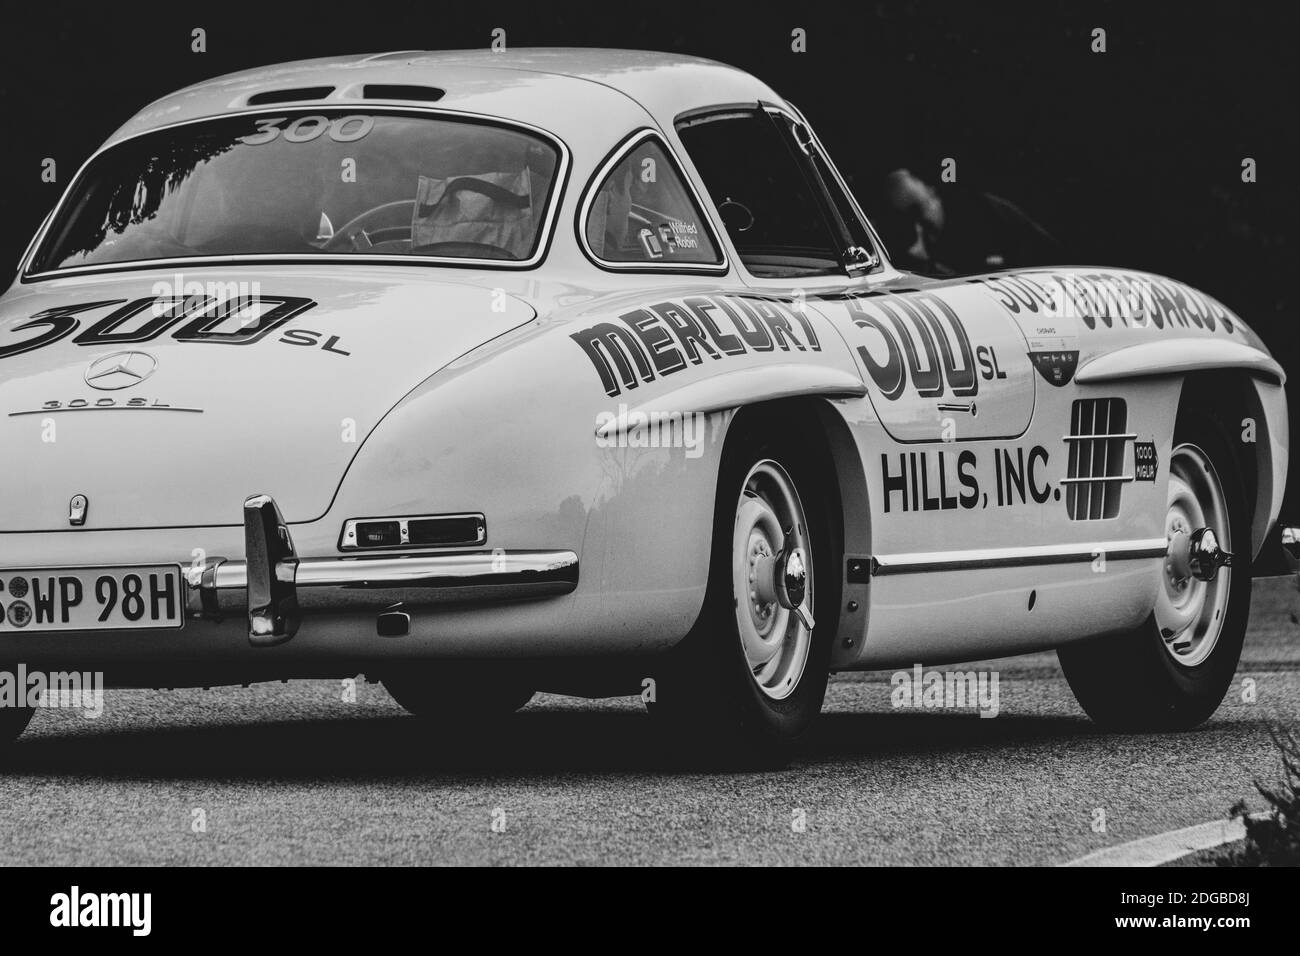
[920, 688]
[652, 429]
[190, 296]
[68, 690]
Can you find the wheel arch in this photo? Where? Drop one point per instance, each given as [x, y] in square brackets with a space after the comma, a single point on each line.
[840, 477]
[1253, 411]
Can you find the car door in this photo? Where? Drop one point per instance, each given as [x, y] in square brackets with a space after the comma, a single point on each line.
[956, 488]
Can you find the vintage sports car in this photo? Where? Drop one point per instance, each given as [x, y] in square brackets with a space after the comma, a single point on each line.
[583, 371]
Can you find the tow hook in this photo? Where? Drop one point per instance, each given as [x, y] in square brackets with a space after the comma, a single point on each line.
[272, 561]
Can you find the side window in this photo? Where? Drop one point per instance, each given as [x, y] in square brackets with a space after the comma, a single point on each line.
[643, 214]
[778, 199]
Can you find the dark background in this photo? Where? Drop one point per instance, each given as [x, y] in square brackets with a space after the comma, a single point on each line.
[1130, 158]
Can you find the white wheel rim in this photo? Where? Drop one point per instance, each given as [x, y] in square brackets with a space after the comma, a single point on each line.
[1190, 612]
[769, 518]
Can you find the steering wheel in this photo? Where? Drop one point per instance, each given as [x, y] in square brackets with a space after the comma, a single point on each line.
[356, 227]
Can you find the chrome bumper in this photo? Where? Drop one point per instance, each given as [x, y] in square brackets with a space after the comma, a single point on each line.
[277, 589]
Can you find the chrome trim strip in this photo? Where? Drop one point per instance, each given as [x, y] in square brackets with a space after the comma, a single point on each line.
[108, 408]
[1097, 437]
[883, 264]
[984, 558]
[1088, 481]
[598, 178]
[555, 200]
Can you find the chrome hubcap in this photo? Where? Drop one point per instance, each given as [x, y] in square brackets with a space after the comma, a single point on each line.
[772, 579]
[1197, 574]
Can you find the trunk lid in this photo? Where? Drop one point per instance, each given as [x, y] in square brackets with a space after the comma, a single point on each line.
[167, 404]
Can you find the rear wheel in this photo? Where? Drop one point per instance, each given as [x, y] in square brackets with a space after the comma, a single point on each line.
[749, 679]
[1173, 671]
[447, 691]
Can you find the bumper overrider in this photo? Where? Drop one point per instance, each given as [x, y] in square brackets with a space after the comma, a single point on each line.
[277, 588]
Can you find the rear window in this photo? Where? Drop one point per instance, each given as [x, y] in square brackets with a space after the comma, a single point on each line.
[325, 182]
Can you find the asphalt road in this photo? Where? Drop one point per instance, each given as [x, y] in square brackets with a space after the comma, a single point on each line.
[293, 774]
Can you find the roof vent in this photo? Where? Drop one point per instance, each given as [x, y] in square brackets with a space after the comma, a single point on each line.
[290, 96]
[397, 91]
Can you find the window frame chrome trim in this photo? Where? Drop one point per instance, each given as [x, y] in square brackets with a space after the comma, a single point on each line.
[544, 238]
[597, 179]
[883, 265]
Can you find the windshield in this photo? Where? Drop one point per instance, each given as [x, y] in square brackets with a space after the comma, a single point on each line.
[329, 182]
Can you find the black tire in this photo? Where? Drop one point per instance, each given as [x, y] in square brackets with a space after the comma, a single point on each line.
[706, 698]
[1131, 681]
[448, 691]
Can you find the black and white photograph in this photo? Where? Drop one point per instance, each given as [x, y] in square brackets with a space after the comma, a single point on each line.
[648, 435]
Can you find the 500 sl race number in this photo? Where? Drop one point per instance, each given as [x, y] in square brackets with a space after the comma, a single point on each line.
[91, 599]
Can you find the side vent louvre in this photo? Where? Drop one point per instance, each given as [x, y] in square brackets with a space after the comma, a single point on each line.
[1097, 443]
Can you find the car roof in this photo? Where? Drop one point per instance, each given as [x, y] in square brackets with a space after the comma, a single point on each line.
[581, 95]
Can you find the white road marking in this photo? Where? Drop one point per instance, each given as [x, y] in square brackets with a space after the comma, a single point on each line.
[1164, 847]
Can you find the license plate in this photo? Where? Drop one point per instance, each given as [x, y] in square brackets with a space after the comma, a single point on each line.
[91, 599]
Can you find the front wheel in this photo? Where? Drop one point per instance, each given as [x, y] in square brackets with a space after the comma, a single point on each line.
[1173, 671]
[749, 679]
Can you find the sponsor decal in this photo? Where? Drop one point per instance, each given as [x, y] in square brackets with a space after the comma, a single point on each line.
[664, 338]
[1109, 300]
[943, 480]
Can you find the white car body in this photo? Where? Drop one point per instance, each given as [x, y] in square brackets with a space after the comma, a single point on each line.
[434, 388]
